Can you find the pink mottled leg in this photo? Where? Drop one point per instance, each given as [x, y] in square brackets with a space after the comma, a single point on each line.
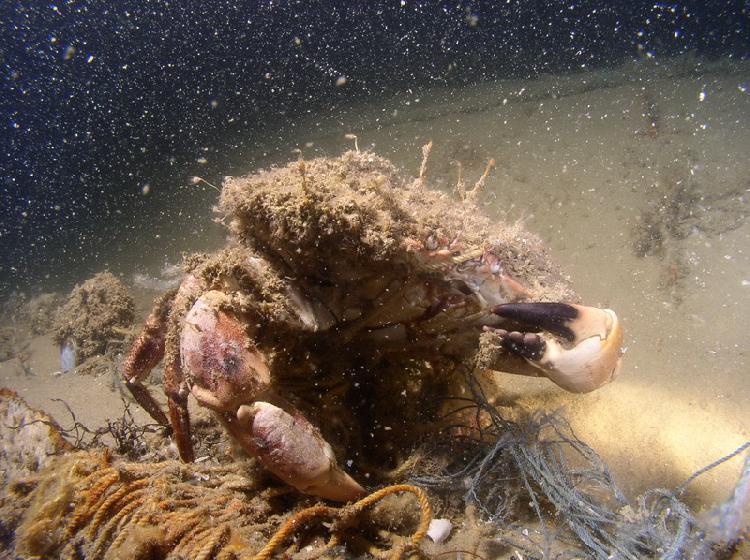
[175, 384]
[145, 353]
[177, 395]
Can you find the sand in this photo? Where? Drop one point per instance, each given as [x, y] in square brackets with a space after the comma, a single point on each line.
[580, 160]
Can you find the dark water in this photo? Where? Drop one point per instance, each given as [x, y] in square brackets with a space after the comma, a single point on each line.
[108, 107]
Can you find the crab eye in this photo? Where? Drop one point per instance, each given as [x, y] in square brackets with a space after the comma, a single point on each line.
[495, 267]
[431, 243]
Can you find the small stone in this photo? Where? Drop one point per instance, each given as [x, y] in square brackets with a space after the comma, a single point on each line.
[439, 530]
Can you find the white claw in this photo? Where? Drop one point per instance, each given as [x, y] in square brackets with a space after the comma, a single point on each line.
[594, 360]
[293, 449]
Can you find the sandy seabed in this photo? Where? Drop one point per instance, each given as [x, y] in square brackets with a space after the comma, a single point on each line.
[638, 180]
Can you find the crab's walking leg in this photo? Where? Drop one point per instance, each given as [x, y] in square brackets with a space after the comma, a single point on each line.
[175, 384]
[145, 353]
[595, 335]
[177, 402]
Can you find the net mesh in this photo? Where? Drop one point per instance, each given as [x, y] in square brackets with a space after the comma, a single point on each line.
[537, 472]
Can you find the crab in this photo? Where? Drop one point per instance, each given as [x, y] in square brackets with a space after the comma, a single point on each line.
[346, 292]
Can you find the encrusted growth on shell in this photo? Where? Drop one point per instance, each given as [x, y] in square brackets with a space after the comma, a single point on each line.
[340, 219]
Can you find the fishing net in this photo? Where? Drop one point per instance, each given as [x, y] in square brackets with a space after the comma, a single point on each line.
[549, 495]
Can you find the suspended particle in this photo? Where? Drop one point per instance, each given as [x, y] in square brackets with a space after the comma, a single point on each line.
[145, 189]
[341, 81]
[69, 53]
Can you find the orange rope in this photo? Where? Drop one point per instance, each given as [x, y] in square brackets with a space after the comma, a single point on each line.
[344, 515]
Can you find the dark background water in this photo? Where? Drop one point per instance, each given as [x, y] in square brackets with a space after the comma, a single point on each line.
[102, 101]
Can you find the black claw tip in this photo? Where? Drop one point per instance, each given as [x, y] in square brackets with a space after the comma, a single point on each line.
[549, 316]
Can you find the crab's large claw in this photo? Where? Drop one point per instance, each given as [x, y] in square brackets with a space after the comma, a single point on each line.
[592, 355]
[230, 375]
[293, 449]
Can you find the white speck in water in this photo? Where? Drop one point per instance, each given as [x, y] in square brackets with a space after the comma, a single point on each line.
[745, 282]
[702, 96]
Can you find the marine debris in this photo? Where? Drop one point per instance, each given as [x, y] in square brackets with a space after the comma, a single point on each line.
[530, 488]
[549, 495]
[90, 504]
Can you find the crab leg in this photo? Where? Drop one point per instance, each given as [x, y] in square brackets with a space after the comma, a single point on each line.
[594, 336]
[145, 353]
[177, 402]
